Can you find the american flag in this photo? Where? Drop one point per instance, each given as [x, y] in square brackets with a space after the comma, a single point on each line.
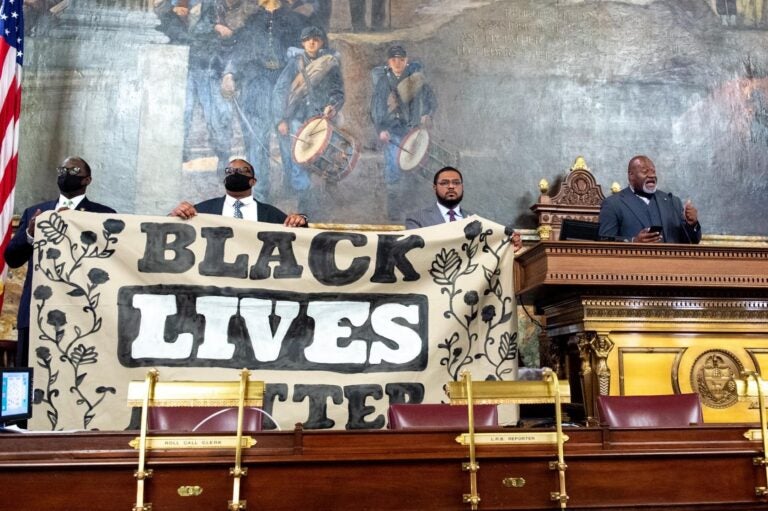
[11, 51]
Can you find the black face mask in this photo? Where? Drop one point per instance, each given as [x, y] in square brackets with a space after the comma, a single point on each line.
[69, 184]
[237, 182]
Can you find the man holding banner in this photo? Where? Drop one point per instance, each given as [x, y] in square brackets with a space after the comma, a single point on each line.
[239, 202]
[448, 184]
[74, 176]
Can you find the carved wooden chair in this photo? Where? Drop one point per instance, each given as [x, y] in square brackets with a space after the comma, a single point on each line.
[578, 198]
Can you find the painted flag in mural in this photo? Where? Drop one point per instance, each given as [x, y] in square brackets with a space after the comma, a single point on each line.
[11, 51]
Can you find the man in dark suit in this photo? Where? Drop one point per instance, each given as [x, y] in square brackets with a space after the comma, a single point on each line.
[74, 176]
[239, 202]
[631, 213]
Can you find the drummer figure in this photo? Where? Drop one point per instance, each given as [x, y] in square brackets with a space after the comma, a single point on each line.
[310, 85]
[402, 101]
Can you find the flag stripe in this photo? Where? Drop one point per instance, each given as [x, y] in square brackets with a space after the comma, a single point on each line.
[11, 53]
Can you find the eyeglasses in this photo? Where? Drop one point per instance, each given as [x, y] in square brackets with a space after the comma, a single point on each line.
[245, 171]
[72, 171]
[446, 182]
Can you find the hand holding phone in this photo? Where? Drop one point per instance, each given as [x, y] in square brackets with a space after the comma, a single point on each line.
[652, 234]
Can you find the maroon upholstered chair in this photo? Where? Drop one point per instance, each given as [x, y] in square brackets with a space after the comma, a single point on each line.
[672, 410]
[440, 416]
[202, 419]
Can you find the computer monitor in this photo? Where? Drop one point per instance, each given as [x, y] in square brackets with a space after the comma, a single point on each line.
[15, 394]
[579, 230]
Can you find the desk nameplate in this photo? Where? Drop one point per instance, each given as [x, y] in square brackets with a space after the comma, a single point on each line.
[194, 442]
[510, 438]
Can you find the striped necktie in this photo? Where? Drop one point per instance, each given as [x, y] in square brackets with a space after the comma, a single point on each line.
[238, 205]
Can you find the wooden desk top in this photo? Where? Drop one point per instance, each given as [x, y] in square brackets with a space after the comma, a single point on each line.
[557, 266]
[702, 467]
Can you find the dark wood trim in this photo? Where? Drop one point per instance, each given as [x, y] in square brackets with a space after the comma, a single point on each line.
[698, 468]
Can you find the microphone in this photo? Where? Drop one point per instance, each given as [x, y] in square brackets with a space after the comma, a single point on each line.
[685, 222]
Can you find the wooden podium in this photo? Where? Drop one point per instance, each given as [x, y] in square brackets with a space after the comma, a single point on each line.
[632, 319]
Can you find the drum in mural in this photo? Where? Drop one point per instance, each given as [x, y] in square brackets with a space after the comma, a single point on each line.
[420, 150]
[325, 149]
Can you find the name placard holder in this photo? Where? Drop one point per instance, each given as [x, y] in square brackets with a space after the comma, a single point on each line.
[548, 390]
[749, 386]
[150, 392]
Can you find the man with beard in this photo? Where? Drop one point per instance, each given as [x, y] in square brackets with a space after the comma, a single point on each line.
[239, 202]
[631, 213]
[74, 176]
[448, 184]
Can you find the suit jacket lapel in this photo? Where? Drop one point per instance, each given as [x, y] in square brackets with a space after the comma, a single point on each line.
[665, 208]
[436, 217]
[635, 205]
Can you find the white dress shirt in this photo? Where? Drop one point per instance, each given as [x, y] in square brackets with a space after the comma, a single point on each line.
[72, 203]
[248, 209]
[456, 212]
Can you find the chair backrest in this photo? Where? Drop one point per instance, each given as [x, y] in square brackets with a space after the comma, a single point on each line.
[672, 410]
[438, 416]
[202, 419]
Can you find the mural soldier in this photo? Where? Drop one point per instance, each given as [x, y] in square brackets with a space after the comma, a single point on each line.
[192, 22]
[324, 11]
[307, 9]
[251, 74]
[357, 13]
[402, 101]
[310, 85]
[727, 11]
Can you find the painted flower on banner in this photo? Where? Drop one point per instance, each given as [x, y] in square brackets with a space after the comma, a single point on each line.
[69, 344]
[491, 338]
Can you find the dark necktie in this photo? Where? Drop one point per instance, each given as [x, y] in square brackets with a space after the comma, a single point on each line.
[238, 205]
[451, 215]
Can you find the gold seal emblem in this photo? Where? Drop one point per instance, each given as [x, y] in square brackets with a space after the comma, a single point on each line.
[713, 376]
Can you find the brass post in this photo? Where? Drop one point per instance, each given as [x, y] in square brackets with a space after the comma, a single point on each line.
[237, 472]
[473, 498]
[562, 495]
[141, 474]
[760, 491]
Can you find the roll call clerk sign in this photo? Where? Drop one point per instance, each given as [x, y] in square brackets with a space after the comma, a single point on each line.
[339, 324]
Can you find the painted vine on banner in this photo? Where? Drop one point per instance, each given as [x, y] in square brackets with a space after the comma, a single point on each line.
[447, 268]
[61, 260]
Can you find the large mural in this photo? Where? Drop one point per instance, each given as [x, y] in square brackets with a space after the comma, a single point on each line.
[346, 108]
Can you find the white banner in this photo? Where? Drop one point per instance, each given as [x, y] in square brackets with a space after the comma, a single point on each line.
[338, 324]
